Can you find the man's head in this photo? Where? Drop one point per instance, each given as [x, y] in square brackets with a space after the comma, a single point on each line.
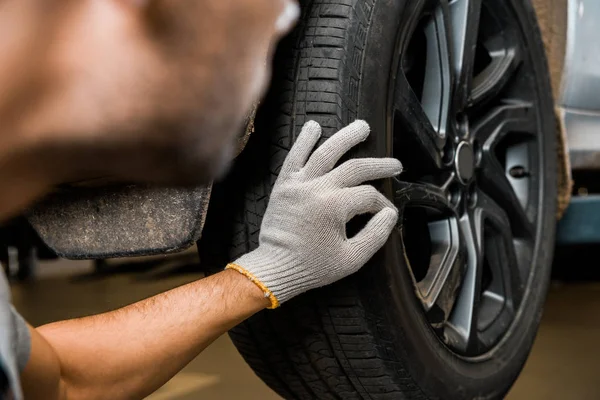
[152, 90]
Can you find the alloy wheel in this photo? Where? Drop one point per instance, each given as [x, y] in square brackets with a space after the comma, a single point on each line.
[464, 122]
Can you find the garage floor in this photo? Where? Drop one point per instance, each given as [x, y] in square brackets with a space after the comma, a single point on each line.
[564, 363]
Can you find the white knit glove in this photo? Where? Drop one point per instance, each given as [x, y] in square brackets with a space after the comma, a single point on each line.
[303, 243]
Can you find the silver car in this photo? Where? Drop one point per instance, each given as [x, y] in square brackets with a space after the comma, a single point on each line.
[578, 107]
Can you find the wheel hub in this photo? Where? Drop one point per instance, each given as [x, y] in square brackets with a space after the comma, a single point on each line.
[464, 162]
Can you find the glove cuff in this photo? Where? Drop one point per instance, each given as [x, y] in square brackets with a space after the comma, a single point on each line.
[268, 293]
[276, 273]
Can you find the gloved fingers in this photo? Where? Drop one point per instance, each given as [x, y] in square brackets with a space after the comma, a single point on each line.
[304, 145]
[363, 199]
[359, 170]
[328, 154]
[373, 236]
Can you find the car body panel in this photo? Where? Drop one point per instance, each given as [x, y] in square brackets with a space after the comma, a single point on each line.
[579, 109]
[579, 101]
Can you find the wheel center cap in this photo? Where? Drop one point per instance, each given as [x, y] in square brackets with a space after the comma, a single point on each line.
[464, 162]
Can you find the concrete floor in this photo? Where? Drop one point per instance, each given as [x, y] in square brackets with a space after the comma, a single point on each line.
[563, 364]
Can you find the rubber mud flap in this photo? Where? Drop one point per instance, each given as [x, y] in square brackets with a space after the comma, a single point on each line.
[117, 221]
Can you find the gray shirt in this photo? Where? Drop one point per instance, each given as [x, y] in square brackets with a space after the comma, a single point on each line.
[15, 345]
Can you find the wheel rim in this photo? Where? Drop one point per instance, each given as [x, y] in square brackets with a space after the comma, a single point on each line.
[464, 121]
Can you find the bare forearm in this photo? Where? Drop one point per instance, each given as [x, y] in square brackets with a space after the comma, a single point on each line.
[131, 352]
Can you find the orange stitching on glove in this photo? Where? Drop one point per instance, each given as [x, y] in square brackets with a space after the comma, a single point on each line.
[268, 293]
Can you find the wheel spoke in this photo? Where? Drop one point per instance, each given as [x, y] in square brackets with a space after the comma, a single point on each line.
[437, 85]
[488, 336]
[503, 292]
[464, 16]
[518, 117]
[462, 325]
[479, 317]
[505, 59]
[491, 212]
[415, 125]
[446, 266]
[500, 252]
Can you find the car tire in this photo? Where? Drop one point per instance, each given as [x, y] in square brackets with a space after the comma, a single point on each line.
[368, 336]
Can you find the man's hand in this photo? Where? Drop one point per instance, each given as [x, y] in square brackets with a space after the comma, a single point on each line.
[303, 241]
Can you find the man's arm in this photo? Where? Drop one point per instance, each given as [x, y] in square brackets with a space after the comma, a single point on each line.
[303, 244]
[131, 352]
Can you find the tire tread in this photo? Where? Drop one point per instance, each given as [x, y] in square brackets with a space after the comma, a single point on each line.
[332, 354]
